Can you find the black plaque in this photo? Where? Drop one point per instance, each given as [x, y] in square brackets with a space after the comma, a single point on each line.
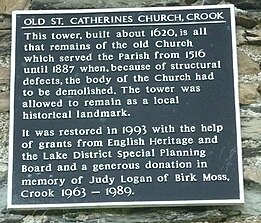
[124, 107]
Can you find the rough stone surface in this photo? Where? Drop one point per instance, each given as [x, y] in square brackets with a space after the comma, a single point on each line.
[5, 44]
[253, 37]
[5, 34]
[252, 171]
[248, 94]
[245, 21]
[5, 21]
[240, 32]
[259, 89]
[4, 75]
[253, 127]
[252, 201]
[11, 218]
[4, 101]
[3, 192]
[8, 6]
[154, 215]
[246, 66]
[90, 4]
[246, 4]
[4, 126]
[249, 57]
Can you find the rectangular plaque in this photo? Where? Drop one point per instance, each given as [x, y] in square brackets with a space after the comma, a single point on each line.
[124, 107]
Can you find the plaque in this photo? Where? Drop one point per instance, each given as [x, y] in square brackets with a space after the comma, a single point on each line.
[124, 108]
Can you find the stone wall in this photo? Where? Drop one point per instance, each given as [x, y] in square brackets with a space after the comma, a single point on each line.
[248, 19]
